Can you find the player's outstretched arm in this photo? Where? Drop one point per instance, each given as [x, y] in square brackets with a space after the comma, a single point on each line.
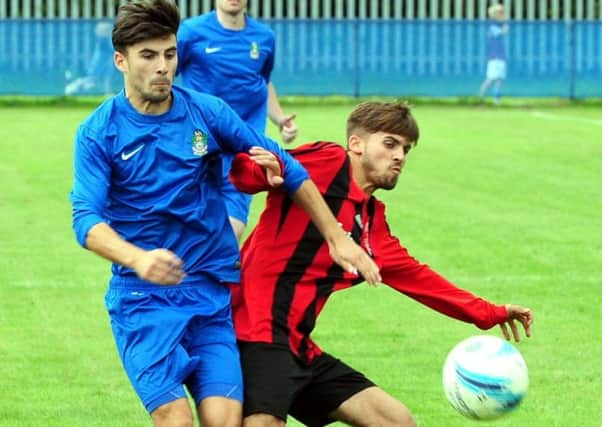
[520, 314]
[344, 251]
[286, 123]
[159, 266]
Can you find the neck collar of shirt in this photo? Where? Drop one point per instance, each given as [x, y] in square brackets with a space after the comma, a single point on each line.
[176, 112]
[229, 30]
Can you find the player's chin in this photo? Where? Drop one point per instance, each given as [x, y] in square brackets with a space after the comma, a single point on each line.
[163, 87]
[234, 7]
[159, 93]
[388, 184]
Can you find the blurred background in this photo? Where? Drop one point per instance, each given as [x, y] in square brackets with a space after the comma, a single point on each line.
[432, 48]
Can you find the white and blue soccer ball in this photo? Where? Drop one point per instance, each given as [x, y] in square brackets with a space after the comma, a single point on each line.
[485, 377]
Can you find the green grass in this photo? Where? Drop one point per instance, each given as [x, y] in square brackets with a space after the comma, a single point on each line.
[505, 202]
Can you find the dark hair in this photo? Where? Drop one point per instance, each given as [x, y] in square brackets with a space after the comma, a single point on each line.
[390, 117]
[142, 20]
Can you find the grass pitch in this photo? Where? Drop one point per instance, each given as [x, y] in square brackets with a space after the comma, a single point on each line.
[505, 202]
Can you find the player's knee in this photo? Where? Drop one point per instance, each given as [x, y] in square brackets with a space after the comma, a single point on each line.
[406, 420]
[393, 414]
[391, 420]
[398, 419]
[220, 412]
[174, 414]
[262, 420]
[174, 422]
[224, 420]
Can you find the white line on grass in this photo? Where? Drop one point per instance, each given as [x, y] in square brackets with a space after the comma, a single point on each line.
[550, 116]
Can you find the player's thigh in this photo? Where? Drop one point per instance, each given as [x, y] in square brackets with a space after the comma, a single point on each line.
[175, 413]
[220, 412]
[332, 383]
[147, 326]
[373, 406]
[272, 377]
[238, 227]
[218, 372]
[263, 420]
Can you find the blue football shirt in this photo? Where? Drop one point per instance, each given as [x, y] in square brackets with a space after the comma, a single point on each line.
[234, 65]
[495, 41]
[156, 179]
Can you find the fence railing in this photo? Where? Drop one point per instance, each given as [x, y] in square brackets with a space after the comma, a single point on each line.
[325, 9]
[348, 57]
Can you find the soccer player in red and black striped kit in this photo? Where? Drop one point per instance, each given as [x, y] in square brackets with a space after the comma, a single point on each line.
[287, 277]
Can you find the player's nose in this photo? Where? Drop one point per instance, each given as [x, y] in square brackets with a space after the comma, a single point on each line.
[399, 155]
[162, 66]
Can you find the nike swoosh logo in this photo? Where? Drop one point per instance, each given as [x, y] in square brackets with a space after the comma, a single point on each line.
[210, 50]
[127, 156]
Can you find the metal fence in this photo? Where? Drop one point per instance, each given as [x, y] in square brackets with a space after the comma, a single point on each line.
[349, 47]
[316, 57]
[325, 9]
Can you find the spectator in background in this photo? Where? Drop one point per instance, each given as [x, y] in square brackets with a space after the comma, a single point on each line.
[496, 52]
[101, 71]
[230, 55]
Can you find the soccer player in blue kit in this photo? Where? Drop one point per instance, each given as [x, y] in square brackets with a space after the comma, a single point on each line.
[496, 52]
[146, 196]
[228, 54]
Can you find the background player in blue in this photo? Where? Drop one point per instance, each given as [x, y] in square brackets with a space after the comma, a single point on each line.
[496, 52]
[230, 55]
[100, 73]
[146, 195]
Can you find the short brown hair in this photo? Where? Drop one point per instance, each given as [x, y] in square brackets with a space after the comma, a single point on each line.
[390, 117]
[142, 20]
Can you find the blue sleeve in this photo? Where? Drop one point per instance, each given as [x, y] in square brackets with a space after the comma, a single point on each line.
[91, 174]
[183, 44]
[236, 136]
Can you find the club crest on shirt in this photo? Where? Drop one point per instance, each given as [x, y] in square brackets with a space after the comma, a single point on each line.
[199, 143]
[254, 52]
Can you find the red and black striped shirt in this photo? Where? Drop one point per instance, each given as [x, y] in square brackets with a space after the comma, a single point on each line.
[288, 274]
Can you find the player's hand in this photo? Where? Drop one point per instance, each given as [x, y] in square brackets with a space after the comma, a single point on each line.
[351, 257]
[288, 128]
[269, 162]
[520, 314]
[159, 266]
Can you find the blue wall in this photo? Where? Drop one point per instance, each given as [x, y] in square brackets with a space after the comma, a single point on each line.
[361, 58]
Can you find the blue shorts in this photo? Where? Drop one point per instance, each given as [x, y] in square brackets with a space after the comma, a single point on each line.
[171, 336]
[237, 203]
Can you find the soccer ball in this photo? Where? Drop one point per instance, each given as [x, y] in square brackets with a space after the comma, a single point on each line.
[485, 377]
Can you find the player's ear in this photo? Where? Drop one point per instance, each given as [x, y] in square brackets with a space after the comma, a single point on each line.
[355, 144]
[120, 61]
